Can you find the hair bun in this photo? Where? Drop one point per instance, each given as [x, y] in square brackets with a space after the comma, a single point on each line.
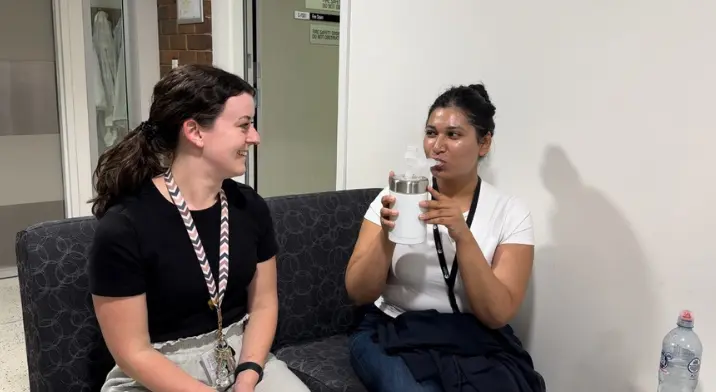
[482, 92]
[480, 89]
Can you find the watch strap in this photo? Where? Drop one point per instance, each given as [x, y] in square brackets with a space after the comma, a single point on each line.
[249, 366]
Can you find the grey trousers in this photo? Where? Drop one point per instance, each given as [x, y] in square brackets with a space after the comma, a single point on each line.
[186, 353]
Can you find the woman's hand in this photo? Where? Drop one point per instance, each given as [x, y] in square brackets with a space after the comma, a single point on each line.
[246, 381]
[445, 211]
[387, 214]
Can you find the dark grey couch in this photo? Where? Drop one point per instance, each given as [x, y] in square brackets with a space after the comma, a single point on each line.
[316, 234]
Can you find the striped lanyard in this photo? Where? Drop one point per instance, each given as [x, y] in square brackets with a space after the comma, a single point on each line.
[216, 295]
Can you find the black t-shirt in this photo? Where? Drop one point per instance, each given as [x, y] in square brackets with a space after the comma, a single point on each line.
[141, 247]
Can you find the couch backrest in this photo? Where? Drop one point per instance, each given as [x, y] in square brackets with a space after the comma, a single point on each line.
[316, 234]
[65, 349]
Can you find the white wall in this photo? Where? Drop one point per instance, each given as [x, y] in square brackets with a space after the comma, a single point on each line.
[603, 128]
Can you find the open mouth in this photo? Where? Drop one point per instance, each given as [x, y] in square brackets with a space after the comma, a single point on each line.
[243, 153]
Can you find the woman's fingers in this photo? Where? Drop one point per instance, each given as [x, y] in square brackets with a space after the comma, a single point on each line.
[431, 204]
[387, 223]
[386, 217]
[387, 213]
[426, 216]
[387, 201]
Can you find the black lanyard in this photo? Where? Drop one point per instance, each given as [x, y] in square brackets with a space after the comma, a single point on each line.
[451, 275]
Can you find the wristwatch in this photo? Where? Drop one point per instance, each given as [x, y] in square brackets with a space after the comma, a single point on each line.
[249, 366]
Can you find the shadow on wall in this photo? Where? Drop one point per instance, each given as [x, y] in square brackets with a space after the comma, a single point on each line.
[591, 291]
[487, 171]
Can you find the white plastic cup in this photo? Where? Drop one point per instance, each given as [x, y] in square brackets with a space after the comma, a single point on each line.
[408, 193]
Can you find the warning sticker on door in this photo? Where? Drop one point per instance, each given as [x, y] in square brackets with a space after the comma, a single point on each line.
[324, 34]
[327, 5]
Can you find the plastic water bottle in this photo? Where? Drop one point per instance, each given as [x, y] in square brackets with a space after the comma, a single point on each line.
[680, 357]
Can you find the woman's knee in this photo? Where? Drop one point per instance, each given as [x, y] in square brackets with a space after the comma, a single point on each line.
[278, 377]
[376, 369]
[118, 381]
[361, 351]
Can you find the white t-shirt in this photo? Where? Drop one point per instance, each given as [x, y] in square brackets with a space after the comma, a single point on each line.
[415, 280]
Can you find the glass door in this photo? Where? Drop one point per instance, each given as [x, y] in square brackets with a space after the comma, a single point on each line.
[107, 76]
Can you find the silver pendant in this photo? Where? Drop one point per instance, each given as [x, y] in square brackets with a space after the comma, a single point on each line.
[223, 381]
[225, 364]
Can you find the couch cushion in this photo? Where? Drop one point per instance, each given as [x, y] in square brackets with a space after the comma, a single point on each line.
[323, 365]
[316, 234]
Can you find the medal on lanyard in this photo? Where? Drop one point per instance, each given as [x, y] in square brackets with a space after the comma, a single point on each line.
[224, 354]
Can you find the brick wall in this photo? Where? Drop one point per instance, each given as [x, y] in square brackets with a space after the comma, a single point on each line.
[189, 43]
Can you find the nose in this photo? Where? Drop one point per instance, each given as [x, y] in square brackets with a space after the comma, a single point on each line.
[253, 137]
[438, 144]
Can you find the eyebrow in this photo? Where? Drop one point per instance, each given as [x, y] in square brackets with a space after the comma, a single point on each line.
[245, 118]
[448, 128]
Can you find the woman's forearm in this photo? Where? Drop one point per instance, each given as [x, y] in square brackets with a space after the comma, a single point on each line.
[368, 268]
[257, 340]
[157, 373]
[488, 298]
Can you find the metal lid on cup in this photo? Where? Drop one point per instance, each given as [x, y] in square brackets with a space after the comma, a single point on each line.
[409, 185]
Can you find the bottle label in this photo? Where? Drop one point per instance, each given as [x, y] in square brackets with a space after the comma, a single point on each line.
[694, 366]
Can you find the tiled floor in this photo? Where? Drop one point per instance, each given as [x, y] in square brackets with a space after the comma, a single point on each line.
[13, 362]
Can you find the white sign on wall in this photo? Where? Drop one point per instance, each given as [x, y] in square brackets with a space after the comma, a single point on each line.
[326, 5]
[190, 11]
[324, 34]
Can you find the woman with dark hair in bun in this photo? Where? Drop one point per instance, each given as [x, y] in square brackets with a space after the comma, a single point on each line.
[183, 264]
[438, 312]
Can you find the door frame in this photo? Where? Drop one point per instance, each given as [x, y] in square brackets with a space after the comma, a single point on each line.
[72, 42]
[251, 65]
[343, 95]
[78, 128]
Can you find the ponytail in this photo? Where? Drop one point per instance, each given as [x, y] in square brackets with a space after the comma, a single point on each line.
[123, 168]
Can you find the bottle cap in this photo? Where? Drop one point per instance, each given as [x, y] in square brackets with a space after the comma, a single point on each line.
[686, 319]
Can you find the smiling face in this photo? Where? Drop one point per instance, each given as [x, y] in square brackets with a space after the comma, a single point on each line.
[451, 140]
[225, 145]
